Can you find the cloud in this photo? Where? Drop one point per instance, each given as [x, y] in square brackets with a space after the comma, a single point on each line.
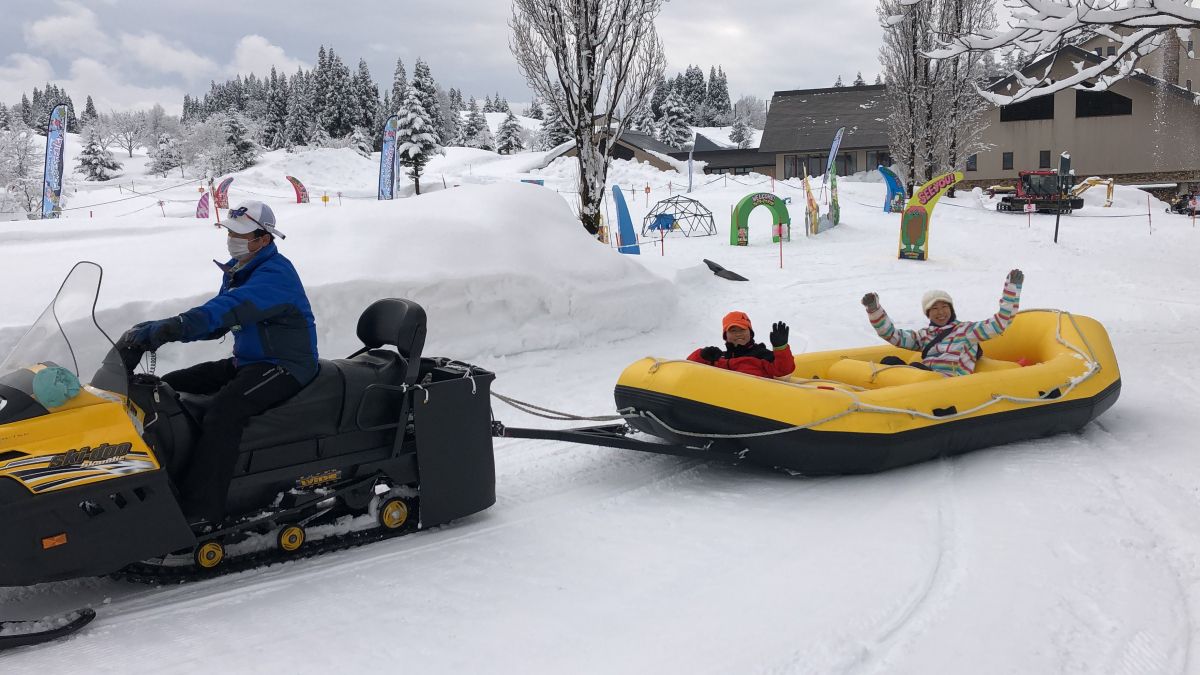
[20, 73]
[75, 31]
[256, 54]
[152, 51]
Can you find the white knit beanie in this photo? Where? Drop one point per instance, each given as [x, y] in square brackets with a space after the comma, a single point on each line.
[935, 296]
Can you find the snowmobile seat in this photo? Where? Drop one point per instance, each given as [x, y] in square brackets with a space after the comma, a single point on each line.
[397, 323]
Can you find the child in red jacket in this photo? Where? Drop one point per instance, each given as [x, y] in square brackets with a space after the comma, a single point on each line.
[744, 355]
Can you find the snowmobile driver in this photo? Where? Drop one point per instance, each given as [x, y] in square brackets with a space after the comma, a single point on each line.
[263, 303]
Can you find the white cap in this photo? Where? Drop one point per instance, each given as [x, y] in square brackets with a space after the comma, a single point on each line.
[249, 216]
[931, 297]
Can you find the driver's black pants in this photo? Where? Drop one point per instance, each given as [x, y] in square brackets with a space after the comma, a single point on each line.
[240, 393]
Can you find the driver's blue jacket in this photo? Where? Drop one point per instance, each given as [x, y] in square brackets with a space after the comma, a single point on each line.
[264, 304]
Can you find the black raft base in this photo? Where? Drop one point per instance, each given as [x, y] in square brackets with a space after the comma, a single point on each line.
[824, 453]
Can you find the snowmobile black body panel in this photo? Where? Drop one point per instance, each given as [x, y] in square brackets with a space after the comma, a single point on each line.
[87, 531]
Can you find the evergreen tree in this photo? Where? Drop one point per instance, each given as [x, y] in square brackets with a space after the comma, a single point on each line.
[878, 79]
[693, 93]
[859, 81]
[416, 137]
[319, 84]
[241, 149]
[5, 122]
[427, 91]
[26, 110]
[839, 82]
[718, 105]
[399, 88]
[452, 126]
[554, 130]
[72, 120]
[661, 90]
[341, 112]
[96, 163]
[741, 133]
[477, 134]
[165, 156]
[487, 105]
[674, 130]
[456, 100]
[508, 136]
[275, 127]
[500, 104]
[367, 94]
[300, 111]
[89, 112]
[361, 143]
[535, 109]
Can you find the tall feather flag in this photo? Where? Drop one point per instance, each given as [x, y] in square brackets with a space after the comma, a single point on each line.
[202, 206]
[56, 130]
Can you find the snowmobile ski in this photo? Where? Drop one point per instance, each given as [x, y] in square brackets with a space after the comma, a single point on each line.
[15, 634]
[722, 272]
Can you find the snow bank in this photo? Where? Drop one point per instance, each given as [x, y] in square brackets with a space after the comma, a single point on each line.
[500, 269]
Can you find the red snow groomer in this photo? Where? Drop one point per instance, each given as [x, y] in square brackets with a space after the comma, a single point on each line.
[1049, 191]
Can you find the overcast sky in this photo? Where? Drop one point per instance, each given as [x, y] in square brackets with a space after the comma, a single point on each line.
[134, 53]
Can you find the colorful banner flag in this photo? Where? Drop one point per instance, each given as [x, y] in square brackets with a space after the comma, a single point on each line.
[301, 192]
[914, 224]
[837, 144]
[222, 195]
[895, 195]
[56, 130]
[387, 159]
[202, 206]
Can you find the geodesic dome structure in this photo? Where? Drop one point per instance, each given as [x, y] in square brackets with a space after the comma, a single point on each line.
[683, 213]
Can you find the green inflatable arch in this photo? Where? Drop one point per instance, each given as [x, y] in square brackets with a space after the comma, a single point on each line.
[739, 227]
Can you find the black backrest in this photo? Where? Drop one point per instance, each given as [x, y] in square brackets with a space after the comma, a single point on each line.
[399, 323]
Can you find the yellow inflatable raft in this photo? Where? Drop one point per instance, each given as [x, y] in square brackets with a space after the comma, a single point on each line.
[843, 412]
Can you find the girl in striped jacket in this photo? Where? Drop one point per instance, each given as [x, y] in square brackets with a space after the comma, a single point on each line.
[948, 346]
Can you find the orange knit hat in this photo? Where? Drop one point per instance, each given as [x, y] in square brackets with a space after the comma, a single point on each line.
[735, 319]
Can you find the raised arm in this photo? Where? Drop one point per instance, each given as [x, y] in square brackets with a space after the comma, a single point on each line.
[902, 338]
[1010, 302]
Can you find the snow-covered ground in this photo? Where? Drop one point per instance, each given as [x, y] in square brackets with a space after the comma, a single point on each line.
[1071, 554]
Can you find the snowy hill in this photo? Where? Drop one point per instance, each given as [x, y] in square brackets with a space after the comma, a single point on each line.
[1074, 553]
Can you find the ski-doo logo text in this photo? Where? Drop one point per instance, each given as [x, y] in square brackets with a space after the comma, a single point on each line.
[104, 453]
[318, 478]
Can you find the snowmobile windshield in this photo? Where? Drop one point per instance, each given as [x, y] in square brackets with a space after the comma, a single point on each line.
[67, 335]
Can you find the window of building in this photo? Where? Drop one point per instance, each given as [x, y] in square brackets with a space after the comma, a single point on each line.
[816, 165]
[845, 164]
[1101, 104]
[1044, 159]
[1191, 49]
[1099, 51]
[791, 167]
[878, 157]
[1037, 108]
[1189, 85]
[1006, 161]
[1111, 51]
[973, 163]
[740, 170]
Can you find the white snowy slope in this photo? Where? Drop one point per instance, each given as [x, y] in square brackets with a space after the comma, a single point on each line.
[1070, 554]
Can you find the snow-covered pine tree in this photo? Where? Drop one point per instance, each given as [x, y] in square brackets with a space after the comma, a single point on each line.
[452, 123]
[878, 78]
[508, 136]
[367, 93]
[487, 105]
[477, 134]
[361, 142]
[456, 100]
[399, 88]
[661, 89]
[89, 112]
[718, 105]
[693, 93]
[26, 110]
[554, 131]
[416, 138]
[5, 120]
[535, 109]
[674, 129]
[275, 118]
[242, 150]
[741, 133]
[165, 156]
[839, 82]
[427, 90]
[318, 84]
[299, 111]
[341, 105]
[96, 163]
[501, 104]
[859, 81]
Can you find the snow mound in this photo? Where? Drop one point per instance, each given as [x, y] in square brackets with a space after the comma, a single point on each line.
[500, 269]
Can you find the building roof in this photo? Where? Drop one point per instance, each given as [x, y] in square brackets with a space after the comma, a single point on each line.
[729, 158]
[705, 144]
[804, 120]
[645, 142]
[1038, 66]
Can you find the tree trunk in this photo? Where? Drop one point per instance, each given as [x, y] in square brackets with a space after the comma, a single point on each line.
[593, 171]
[417, 183]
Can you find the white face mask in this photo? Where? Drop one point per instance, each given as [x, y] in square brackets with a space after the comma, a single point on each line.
[238, 248]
